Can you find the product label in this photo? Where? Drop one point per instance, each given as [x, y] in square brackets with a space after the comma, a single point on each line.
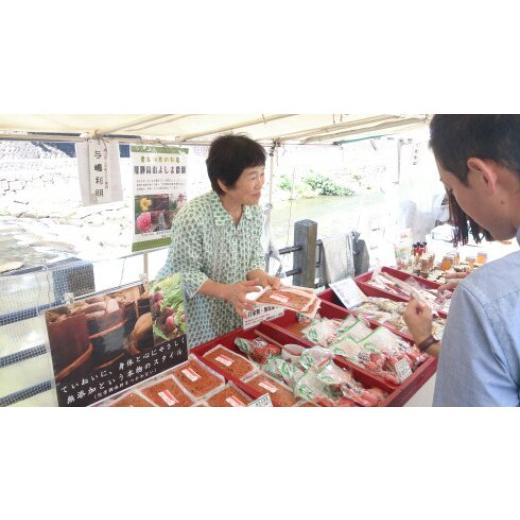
[224, 360]
[234, 401]
[268, 386]
[403, 370]
[262, 401]
[168, 397]
[190, 374]
[259, 314]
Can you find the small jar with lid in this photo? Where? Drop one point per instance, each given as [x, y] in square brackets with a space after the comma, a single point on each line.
[481, 257]
[447, 262]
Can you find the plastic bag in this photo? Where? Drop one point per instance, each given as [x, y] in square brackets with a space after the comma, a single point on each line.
[313, 356]
[283, 370]
[257, 349]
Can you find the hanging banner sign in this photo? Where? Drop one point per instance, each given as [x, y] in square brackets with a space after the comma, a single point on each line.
[99, 171]
[160, 185]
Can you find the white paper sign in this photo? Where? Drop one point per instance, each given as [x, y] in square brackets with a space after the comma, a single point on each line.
[261, 313]
[264, 400]
[160, 189]
[348, 292]
[99, 171]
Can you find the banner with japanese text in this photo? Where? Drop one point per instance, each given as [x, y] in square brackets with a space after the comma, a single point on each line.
[107, 343]
[99, 171]
[160, 185]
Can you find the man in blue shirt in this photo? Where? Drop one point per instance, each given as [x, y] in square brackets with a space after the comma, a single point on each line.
[478, 157]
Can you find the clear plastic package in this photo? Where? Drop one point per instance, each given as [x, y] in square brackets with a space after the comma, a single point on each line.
[166, 392]
[282, 370]
[197, 378]
[358, 332]
[257, 349]
[314, 355]
[129, 399]
[280, 394]
[230, 395]
[322, 331]
[230, 362]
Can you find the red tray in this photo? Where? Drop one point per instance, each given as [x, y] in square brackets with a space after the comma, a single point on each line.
[399, 394]
[279, 335]
[228, 340]
[328, 298]
[369, 290]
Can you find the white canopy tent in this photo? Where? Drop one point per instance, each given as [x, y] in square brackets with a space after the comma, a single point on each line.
[272, 130]
[203, 128]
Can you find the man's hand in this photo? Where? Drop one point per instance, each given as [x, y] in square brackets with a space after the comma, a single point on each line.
[236, 295]
[418, 318]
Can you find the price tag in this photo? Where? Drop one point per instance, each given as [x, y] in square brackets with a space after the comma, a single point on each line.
[403, 370]
[259, 314]
[191, 374]
[264, 400]
[224, 360]
[268, 386]
[168, 398]
[348, 292]
[234, 401]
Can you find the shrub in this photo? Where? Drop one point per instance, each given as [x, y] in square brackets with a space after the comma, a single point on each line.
[285, 183]
[326, 186]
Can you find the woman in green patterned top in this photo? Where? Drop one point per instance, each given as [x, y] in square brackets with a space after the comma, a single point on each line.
[216, 241]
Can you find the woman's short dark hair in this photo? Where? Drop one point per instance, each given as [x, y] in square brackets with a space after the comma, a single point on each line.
[229, 156]
[454, 138]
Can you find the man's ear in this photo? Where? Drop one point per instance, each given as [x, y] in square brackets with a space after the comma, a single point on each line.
[484, 172]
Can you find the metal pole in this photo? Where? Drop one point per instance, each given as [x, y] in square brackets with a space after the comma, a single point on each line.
[305, 235]
[146, 266]
[399, 143]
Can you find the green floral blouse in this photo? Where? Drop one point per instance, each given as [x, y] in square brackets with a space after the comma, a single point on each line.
[207, 244]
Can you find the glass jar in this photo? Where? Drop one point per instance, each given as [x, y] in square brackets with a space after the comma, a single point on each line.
[481, 257]
[447, 262]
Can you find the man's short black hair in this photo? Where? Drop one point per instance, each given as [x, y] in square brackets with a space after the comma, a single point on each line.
[454, 138]
[229, 156]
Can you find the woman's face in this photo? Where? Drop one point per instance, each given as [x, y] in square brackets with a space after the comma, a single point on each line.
[248, 188]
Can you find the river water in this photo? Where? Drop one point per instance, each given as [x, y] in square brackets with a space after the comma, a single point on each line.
[333, 215]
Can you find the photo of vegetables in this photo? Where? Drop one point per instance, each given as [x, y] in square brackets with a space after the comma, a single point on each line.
[167, 306]
[155, 212]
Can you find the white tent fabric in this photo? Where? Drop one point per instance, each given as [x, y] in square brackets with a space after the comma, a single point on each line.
[203, 128]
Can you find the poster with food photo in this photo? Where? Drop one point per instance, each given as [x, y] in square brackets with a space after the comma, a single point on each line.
[160, 174]
[106, 343]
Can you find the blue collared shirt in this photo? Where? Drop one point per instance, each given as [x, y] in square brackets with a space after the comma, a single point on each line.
[479, 364]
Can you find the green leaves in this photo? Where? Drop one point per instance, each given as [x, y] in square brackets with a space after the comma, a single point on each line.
[326, 186]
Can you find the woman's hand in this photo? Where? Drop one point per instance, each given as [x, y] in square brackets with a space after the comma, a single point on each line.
[236, 295]
[452, 280]
[264, 279]
[418, 317]
[272, 281]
